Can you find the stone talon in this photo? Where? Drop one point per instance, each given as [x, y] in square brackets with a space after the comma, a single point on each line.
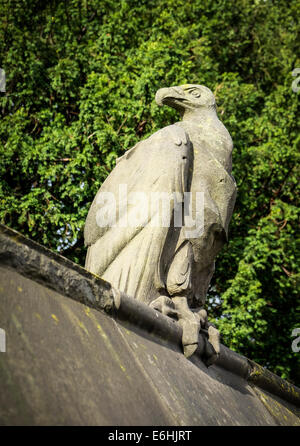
[214, 338]
[190, 324]
[190, 331]
[212, 346]
[189, 350]
[189, 321]
[202, 315]
[164, 305]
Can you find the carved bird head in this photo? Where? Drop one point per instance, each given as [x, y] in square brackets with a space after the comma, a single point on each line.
[186, 97]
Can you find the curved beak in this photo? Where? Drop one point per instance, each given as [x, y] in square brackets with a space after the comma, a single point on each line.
[172, 96]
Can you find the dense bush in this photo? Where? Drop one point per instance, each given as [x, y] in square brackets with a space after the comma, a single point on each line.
[81, 79]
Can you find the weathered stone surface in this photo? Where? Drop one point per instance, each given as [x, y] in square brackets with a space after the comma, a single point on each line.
[159, 258]
[39, 263]
[69, 362]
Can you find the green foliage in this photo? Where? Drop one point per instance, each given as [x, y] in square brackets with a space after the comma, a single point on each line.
[81, 78]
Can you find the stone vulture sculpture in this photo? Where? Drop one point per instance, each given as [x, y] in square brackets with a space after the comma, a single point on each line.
[159, 252]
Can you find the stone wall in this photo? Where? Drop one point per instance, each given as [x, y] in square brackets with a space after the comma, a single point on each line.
[79, 352]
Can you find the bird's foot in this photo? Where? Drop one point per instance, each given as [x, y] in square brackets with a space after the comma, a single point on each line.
[190, 324]
[178, 308]
[212, 344]
[212, 351]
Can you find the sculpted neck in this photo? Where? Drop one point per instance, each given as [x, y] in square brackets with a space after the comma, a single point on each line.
[203, 125]
[200, 114]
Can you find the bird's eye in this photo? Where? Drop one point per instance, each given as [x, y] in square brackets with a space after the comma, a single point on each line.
[196, 93]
